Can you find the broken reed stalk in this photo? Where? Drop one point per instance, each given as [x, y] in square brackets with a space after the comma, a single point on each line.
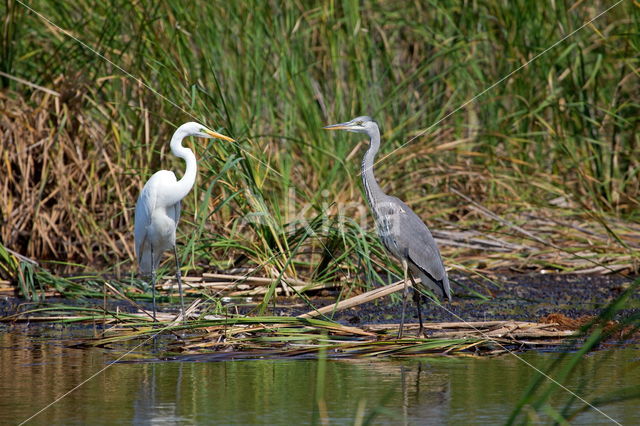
[488, 329]
[241, 285]
[249, 288]
[356, 300]
[241, 279]
[124, 297]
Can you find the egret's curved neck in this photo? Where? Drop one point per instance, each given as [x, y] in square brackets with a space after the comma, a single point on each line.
[371, 187]
[184, 185]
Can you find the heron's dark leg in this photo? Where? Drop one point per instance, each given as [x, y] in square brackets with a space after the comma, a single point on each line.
[153, 286]
[417, 297]
[179, 278]
[405, 268]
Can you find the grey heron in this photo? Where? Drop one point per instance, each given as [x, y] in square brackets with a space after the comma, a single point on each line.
[158, 208]
[401, 231]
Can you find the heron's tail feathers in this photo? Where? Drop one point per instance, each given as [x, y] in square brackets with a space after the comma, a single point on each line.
[440, 287]
[446, 288]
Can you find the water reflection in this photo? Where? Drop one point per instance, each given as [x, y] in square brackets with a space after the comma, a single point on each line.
[275, 392]
[413, 391]
[424, 395]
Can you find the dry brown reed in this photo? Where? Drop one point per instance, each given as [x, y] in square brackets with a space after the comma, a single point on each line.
[64, 195]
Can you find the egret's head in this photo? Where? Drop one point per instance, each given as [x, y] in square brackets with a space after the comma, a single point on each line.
[362, 124]
[200, 131]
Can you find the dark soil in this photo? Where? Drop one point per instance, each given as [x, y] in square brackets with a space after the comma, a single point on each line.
[515, 297]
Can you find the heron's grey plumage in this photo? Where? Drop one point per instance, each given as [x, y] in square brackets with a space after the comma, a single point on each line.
[401, 231]
[413, 241]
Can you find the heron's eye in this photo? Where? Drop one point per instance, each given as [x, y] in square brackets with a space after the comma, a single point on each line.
[359, 123]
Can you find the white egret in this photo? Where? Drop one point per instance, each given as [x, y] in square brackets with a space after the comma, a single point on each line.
[158, 208]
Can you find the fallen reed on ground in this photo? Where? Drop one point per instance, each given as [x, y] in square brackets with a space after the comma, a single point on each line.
[218, 337]
[236, 337]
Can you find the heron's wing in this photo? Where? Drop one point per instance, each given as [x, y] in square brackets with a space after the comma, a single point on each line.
[414, 238]
[144, 206]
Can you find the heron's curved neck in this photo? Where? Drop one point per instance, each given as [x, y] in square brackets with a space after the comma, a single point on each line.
[371, 187]
[184, 185]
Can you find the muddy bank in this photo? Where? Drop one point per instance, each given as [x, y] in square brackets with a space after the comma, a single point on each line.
[514, 297]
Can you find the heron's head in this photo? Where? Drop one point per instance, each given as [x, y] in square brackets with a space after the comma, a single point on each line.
[362, 124]
[198, 130]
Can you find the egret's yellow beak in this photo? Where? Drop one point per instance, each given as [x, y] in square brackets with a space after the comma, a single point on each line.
[218, 135]
[339, 126]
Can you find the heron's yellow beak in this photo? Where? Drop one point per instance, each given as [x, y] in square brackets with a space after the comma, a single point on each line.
[218, 135]
[339, 126]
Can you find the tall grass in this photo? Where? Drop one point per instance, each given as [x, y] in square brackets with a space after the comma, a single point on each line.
[560, 132]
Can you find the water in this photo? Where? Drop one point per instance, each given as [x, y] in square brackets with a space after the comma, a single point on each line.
[36, 370]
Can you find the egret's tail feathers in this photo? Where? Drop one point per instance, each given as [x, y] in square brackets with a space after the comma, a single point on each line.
[145, 262]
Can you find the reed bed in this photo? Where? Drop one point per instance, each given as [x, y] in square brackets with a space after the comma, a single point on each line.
[236, 336]
[538, 174]
[261, 336]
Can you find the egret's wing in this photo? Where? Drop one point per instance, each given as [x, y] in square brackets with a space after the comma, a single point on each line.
[144, 206]
[175, 212]
[414, 238]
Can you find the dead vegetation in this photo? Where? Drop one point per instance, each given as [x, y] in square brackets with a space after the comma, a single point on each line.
[268, 336]
[234, 337]
[64, 197]
[224, 333]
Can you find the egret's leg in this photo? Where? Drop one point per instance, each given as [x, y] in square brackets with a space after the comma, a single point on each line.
[179, 278]
[405, 268]
[153, 286]
[153, 289]
[153, 292]
[417, 297]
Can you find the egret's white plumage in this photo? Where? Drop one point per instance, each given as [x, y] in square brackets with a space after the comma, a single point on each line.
[156, 221]
[158, 206]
